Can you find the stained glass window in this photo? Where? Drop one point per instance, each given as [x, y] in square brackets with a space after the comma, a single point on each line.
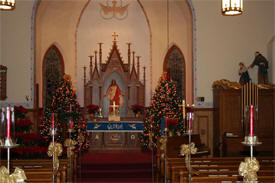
[52, 71]
[175, 65]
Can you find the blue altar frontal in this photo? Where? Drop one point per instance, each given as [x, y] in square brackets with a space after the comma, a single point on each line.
[109, 126]
[121, 136]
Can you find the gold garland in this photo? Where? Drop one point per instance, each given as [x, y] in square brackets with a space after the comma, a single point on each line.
[17, 177]
[55, 150]
[163, 141]
[151, 145]
[70, 144]
[248, 169]
[226, 84]
[186, 151]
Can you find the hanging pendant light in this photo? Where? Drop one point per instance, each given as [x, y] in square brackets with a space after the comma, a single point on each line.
[232, 7]
[7, 4]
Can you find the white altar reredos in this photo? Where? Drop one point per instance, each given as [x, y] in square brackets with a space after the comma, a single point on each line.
[126, 76]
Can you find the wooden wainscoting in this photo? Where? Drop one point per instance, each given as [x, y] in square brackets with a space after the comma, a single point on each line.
[203, 125]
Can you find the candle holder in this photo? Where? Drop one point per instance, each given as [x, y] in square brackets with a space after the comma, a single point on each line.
[189, 132]
[70, 130]
[251, 141]
[248, 169]
[53, 132]
[100, 113]
[8, 145]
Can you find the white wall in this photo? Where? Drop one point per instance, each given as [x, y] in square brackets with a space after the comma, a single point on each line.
[94, 28]
[273, 47]
[1, 26]
[223, 42]
[16, 52]
[180, 34]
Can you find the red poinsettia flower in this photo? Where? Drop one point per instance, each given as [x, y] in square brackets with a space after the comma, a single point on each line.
[137, 108]
[92, 108]
[20, 109]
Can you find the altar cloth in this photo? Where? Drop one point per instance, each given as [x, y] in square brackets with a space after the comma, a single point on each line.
[125, 126]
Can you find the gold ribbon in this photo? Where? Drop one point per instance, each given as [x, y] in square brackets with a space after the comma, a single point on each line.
[55, 150]
[18, 175]
[163, 141]
[151, 141]
[70, 144]
[186, 150]
[248, 169]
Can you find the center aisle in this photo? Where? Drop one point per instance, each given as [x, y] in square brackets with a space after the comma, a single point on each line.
[116, 167]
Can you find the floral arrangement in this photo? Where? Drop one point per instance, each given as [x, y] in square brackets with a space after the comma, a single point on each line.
[22, 125]
[92, 109]
[20, 112]
[138, 108]
[30, 151]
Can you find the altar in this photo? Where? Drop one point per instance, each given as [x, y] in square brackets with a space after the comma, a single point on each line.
[106, 136]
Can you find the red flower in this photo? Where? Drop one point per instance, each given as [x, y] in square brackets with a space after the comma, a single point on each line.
[23, 122]
[137, 108]
[92, 108]
[20, 109]
[172, 121]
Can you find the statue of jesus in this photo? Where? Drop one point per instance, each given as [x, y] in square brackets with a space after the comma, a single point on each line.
[115, 95]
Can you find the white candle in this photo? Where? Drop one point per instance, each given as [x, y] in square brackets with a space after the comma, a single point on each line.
[3, 115]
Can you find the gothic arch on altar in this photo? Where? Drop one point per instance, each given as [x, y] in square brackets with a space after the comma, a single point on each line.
[126, 76]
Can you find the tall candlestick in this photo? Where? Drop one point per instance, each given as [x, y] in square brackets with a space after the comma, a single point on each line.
[52, 120]
[189, 121]
[8, 123]
[70, 120]
[183, 109]
[2, 131]
[70, 124]
[251, 120]
[12, 115]
[2, 115]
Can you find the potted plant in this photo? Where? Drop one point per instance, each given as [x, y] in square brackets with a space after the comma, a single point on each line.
[138, 109]
[92, 109]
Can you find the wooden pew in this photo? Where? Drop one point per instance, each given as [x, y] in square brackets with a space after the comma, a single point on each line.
[212, 161]
[268, 179]
[173, 149]
[42, 175]
[208, 168]
[39, 164]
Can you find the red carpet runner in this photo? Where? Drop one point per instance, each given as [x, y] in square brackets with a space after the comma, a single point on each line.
[116, 168]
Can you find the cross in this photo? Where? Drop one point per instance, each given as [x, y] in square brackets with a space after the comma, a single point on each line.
[183, 108]
[114, 107]
[115, 36]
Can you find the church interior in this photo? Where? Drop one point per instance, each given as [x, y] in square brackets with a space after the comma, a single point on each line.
[137, 91]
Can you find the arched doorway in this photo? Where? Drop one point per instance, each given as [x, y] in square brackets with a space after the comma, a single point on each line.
[174, 63]
[53, 70]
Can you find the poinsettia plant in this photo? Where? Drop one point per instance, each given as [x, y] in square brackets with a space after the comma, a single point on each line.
[92, 109]
[138, 108]
[20, 112]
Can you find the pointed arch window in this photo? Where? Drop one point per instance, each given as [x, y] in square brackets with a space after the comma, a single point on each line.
[175, 64]
[53, 70]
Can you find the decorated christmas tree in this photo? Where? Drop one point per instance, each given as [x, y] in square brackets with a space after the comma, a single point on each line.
[65, 107]
[165, 103]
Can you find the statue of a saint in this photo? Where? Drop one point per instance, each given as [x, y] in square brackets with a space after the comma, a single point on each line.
[115, 95]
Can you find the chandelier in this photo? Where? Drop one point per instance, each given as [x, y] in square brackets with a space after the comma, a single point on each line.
[7, 4]
[232, 7]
